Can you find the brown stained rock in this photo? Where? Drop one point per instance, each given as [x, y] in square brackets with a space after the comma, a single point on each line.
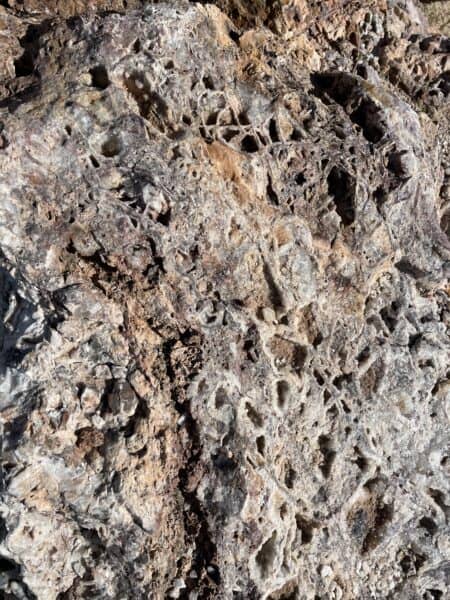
[224, 263]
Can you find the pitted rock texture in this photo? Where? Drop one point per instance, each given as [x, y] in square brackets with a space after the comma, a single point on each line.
[438, 14]
[224, 301]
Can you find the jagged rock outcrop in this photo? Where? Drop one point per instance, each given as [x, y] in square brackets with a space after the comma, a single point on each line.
[224, 295]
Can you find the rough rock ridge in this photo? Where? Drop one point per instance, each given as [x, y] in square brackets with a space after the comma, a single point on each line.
[224, 260]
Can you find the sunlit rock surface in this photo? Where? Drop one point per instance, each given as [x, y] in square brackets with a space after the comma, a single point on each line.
[224, 367]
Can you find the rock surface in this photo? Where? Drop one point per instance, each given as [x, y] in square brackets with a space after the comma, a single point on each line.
[438, 14]
[224, 300]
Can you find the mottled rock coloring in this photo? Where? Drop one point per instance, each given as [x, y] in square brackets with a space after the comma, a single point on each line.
[224, 261]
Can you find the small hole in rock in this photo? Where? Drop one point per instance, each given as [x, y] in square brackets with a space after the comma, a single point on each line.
[229, 134]
[318, 377]
[273, 131]
[212, 118]
[25, 64]
[273, 197]
[266, 556]
[249, 144]
[353, 38]
[94, 161]
[360, 460]
[328, 455]
[7, 565]
[243, 118]
[428, 524]
[234, 35]
[290, 477]
[282, 393]
[261, 444]
[318, 340]
[367, 116]
[296, 135]
[306, 529]
[380, 196]
[363, 355]
[253, 415]
[220, 398]
[342, 189]
[208, 83]
[99, 77]
[111, 147]
[396, 164]
[362, 71]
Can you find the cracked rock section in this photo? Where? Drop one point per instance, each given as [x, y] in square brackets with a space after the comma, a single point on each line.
[224, 260]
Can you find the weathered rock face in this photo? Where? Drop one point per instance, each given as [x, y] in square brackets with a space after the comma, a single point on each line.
[438, 14]
[224, 299]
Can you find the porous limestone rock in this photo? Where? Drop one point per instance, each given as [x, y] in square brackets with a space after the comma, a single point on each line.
[224, 300]
[438, 14]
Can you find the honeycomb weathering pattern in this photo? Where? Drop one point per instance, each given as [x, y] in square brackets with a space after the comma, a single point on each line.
[224, 366]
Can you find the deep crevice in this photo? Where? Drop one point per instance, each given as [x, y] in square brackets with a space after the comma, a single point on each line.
[195, 517]
[25, 64]
[342, 189]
